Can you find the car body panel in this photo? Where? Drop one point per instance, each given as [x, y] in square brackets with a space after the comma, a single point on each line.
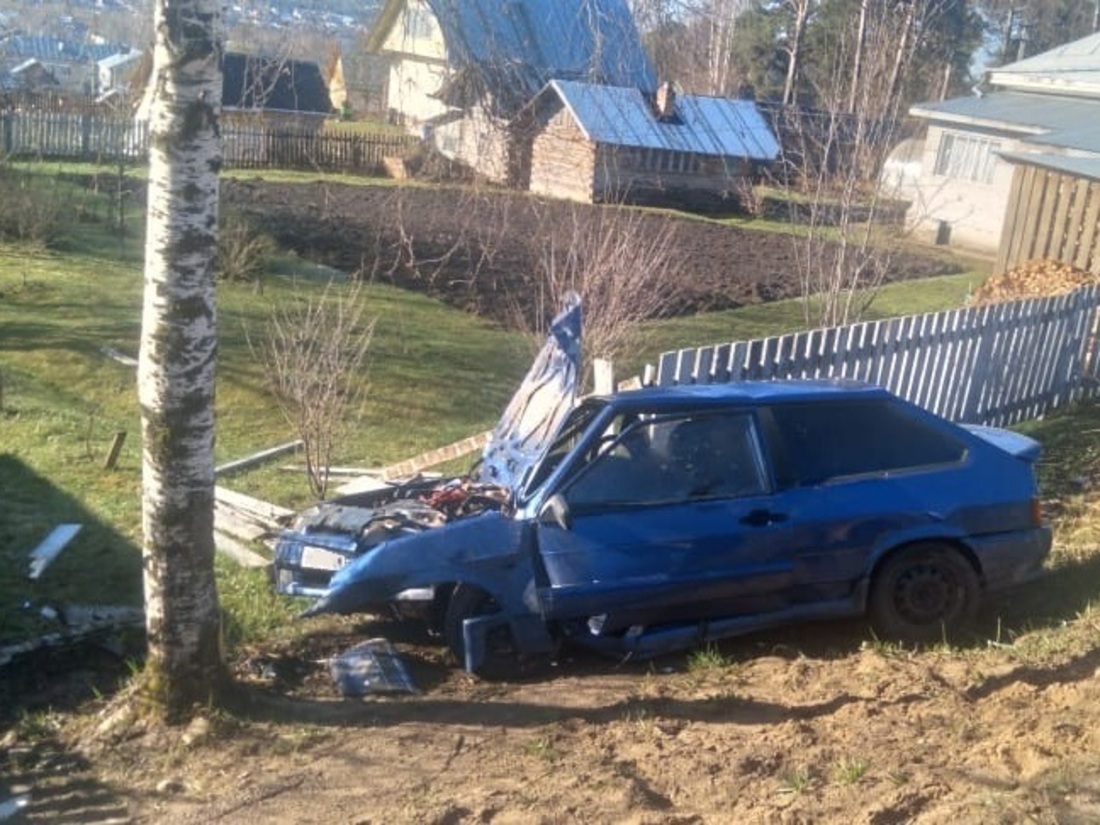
[591, 548]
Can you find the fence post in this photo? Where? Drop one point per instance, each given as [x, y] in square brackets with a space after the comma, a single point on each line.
[8, 147]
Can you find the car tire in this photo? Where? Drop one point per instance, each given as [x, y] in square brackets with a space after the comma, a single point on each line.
[923, 594]
[469, 601]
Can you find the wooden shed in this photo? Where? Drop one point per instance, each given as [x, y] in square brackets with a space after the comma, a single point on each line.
[609, 144]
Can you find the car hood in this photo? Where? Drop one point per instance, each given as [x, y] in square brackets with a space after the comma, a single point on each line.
[547, 394]
[1012, 443]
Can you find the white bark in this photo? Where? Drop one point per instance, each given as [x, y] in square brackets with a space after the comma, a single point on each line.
[176, 364]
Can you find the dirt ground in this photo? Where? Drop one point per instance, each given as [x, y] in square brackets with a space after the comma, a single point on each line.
[477, 249]
[812, 724]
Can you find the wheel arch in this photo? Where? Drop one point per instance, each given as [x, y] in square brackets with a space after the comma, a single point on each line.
[883, 558]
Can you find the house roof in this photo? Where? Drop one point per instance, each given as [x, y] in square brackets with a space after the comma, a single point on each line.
[54, 49]
[1076, 166]
[516, 47]
[1054, 120]
[119, 59]
[703, 125]
[1070, 69]
[273, 85]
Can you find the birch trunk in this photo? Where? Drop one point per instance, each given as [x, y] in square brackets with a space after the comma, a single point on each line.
[176, 365]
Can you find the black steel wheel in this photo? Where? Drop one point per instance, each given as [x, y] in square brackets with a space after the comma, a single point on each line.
[924, 593]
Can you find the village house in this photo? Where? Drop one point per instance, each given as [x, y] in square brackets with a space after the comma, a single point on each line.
[71, 64]
[461, 71]
[1015, 168]
[610, 144]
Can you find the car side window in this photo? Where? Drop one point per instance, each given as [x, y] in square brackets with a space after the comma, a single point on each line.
[672, 459]
[831, 439]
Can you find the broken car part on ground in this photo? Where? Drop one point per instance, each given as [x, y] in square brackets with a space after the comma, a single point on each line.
[661, 518]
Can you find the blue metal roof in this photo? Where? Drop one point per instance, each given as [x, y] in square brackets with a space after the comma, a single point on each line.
[1073, 66]
[1075, 166]
[703, 125]
[594, 40]
[55, 49]
[1069, 122]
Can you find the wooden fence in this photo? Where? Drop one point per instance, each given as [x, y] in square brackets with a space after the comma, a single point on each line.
[1051, 214]
[997, 364]
[77, 136]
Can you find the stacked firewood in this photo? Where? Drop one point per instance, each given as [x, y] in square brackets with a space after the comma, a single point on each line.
[1035, 279]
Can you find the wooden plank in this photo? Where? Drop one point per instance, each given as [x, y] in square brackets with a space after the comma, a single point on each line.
[439, 455]
[704, 364]
[1090, 232]
[1035, 209]
[1029, 194]
[1045, 227]
[257, 458]
[50, 547]
[253, 506]
[1061, 229]
[721, 368]
[1075, 222]
[240, 553]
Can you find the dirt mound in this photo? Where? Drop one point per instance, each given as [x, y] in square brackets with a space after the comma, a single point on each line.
[1038, 278]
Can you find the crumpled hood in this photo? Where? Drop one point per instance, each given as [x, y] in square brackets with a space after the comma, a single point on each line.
[547, 394]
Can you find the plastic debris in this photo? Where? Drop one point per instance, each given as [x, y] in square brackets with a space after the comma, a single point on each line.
[373, 667]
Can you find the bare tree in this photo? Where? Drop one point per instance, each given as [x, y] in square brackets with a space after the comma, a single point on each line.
[315, 352]
[176, 365]
[834, 154]
[623, 263]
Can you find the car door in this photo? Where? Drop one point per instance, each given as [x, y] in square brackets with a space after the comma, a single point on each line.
[672, 518]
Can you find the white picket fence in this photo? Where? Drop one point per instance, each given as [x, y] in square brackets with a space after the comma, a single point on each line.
[996, 364]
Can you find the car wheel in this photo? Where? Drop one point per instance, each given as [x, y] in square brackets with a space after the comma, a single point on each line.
[924, 593]
[467, 602]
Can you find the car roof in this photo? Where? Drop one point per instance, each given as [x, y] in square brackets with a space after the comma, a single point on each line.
[746, 392]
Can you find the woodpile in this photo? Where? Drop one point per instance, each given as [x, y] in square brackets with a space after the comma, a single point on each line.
[1038, 278]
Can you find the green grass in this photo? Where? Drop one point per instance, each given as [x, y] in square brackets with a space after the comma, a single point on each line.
[435, 375]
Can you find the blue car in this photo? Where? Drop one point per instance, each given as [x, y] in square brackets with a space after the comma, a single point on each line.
[662, 518]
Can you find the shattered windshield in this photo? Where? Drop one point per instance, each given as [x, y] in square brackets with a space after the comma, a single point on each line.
[575, 426]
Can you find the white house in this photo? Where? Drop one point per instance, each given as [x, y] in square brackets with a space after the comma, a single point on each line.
[1044, 111]
[460, 70]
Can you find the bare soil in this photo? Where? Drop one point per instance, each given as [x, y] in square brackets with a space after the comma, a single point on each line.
[478, 249]
[812, 724]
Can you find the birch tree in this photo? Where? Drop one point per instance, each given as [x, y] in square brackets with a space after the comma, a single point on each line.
[176, 365]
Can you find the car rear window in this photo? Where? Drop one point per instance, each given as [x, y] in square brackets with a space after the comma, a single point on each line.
[830, 439]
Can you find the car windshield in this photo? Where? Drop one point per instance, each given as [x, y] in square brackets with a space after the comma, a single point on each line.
[571, 431]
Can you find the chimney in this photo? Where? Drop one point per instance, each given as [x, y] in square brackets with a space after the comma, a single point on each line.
[664, 102]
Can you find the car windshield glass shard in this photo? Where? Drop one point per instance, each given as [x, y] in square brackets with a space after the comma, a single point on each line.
[545, 397]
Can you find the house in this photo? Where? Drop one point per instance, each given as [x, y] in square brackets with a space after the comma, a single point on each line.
[260, 92]
[116, 72]
[277, 93]
[598, 143]
[984, 155]
[29, 76]
[71, 64]
[461, 70]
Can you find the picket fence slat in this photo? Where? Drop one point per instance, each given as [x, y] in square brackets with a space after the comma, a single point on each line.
[998, 364]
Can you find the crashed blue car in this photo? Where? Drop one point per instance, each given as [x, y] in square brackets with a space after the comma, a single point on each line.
[663, 518]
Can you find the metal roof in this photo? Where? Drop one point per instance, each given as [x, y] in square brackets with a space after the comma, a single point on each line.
[273, 85]
[1075, 166]
[703, 125]
[517, 46]
[1074, 67]
[54, 49]
[1069, 122]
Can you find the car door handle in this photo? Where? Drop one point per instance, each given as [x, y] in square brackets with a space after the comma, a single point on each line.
[762, 518]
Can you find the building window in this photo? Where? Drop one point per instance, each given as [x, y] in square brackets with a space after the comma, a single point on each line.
[966, 157]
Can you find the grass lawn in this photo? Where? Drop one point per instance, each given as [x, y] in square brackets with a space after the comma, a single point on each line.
[435, 375]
